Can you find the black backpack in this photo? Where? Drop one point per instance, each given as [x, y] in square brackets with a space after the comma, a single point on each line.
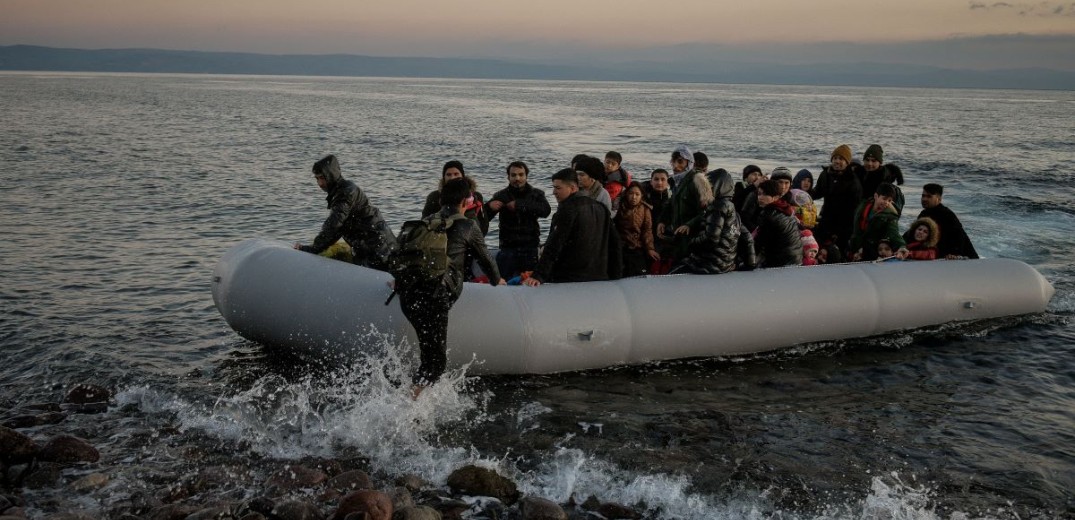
[422, 255]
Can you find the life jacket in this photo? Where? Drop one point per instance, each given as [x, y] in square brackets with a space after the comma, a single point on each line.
[422, 255]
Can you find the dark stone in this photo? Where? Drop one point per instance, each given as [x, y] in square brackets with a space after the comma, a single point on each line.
[68, 449]
[329, 466]
[401, 498]
[47, 407]
[329, 495]
[614, 511]
[5, 504]
[86, 393]
[450, 508]
[211, 513]
[377, 505]
[252, 516]
[417, 513]
[591, 503]
[142, 502]
[472, 480]
[90, 482]
[14, 475]
[172, 512]
[88, 408]
[16, 447]
[21, 421]
[535, 508]
[262, 504]
[296, 510]
[351, 481]
[296, 477]
[43, 475]
[411, 482]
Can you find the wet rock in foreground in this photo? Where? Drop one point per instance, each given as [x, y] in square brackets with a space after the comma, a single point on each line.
[375, 504]
[68, 449]
[472, 480]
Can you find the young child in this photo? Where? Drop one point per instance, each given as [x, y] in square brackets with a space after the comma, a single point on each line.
[884, 249]
[926, 235]
[635, 225]
[805, 209]
[616, 178]
[810, 248]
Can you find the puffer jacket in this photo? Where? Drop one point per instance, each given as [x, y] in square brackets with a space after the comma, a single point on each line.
[519, 227]
[354, 219]
[926, 249]
[635, 226]
[777, 240]
[714, 250]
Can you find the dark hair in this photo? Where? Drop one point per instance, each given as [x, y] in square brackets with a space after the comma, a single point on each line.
[933, 189]
[518, 164]
[321, 167]
[886, 189]
[575, 160]
[701, 161]
[770, 188]
[635, 184]
[592, 167]
[659, 170]
[566, 175]
[749, 169]
[453, 164]
[614, 156]
[454, 192]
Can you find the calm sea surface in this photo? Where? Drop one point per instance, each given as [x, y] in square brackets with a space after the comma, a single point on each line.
[120, 192]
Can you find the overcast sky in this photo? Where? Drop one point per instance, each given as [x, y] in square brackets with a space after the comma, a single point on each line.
[507, 27]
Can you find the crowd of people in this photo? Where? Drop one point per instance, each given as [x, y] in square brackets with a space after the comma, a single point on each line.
[609, 224]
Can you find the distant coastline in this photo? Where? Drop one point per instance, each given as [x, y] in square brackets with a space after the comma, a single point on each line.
[37, 58]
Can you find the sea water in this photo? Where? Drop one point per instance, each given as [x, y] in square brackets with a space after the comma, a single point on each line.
[119, 193]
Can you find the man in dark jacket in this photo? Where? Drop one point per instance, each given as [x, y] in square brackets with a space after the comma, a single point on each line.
[352, 217]
[520, 205]
[839, 186]
[583, 245]
[954, 242]
[777, 240]
[426, 305]
[725, 244]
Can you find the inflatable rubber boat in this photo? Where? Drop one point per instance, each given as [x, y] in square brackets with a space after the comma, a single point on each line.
[317, 307]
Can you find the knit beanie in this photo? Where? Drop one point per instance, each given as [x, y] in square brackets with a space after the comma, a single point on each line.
[842, 151]
[809, 242]
[781, 173]
[876, 152]
[749, 169]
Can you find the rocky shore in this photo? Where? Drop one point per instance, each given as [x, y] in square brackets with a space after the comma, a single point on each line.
[61, 476]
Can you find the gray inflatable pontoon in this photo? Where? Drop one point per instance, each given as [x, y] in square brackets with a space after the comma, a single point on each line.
[321, 308]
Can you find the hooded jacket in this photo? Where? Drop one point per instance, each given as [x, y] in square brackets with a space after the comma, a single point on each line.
[777, 240]
[354, 219]
[715, 249]
[519, 228]
[871, 227]
[953, 239]
[926, 249]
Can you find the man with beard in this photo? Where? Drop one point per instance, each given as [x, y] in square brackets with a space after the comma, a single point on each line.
[520, 205]
[954, 242]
